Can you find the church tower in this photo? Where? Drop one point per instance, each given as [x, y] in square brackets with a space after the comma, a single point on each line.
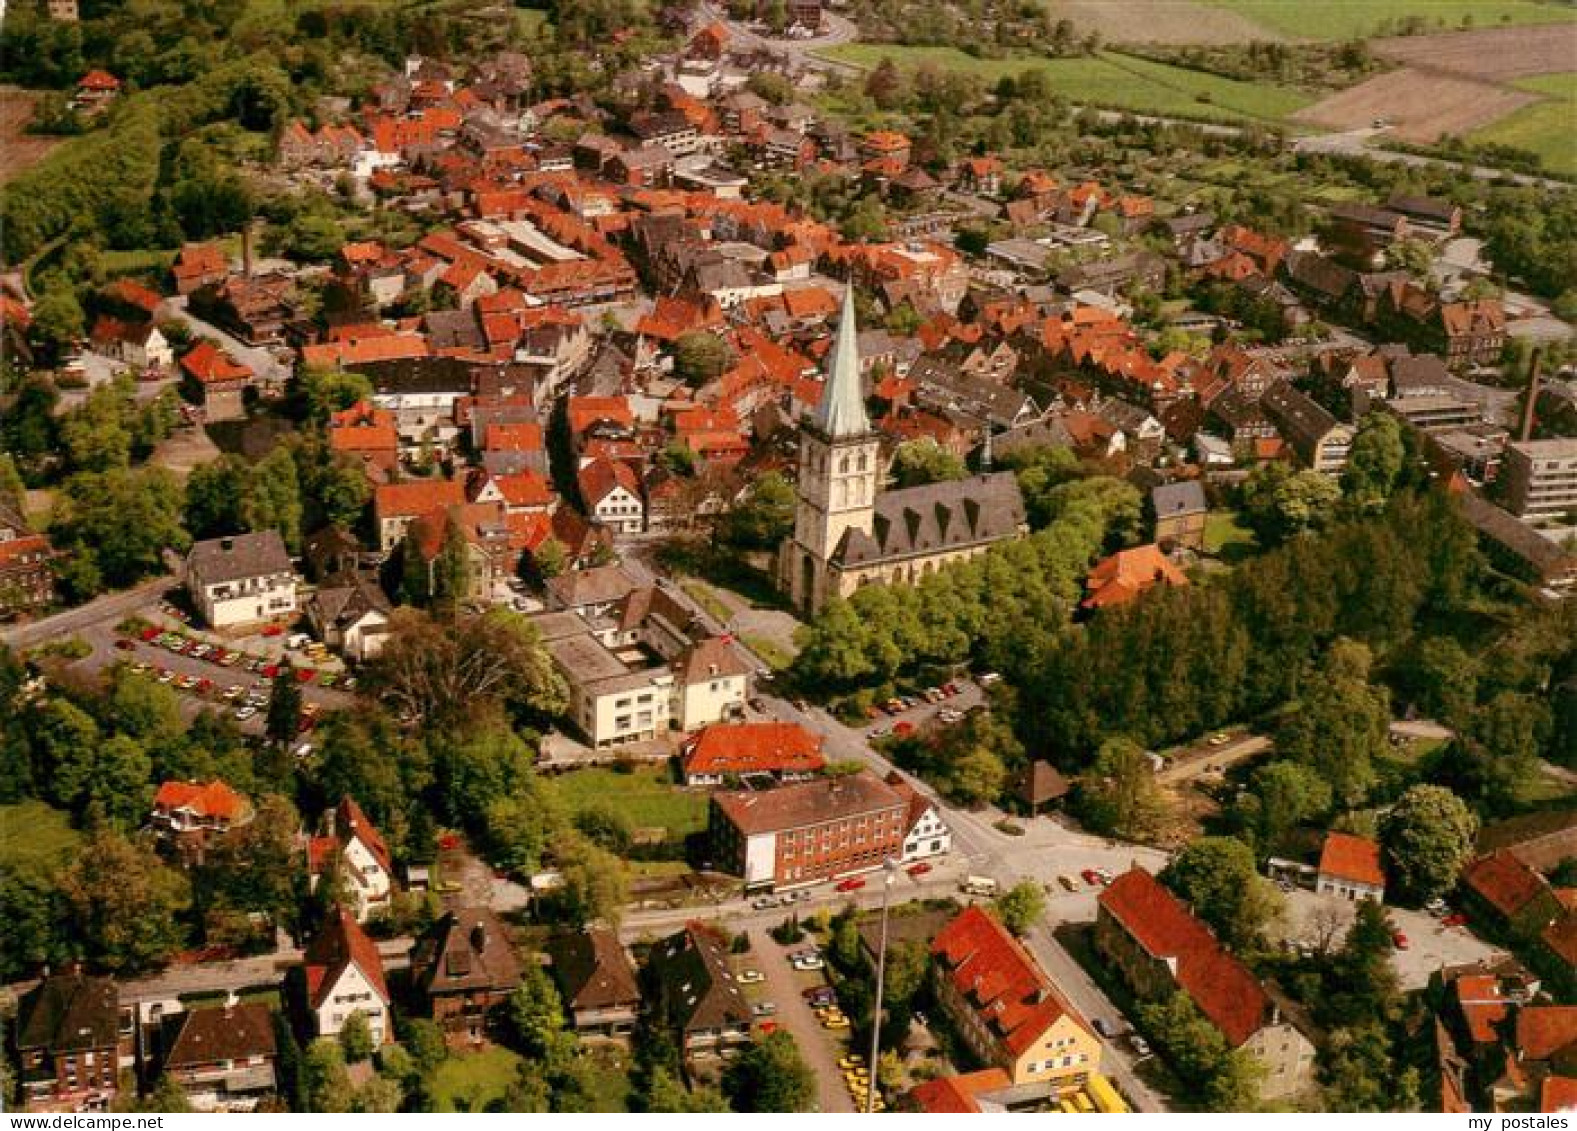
[838, 474]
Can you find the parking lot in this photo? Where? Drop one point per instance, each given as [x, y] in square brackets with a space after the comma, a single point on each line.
[1431, 944]
[785, 988]
[945, 704]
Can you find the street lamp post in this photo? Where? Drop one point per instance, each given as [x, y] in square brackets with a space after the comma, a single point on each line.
[890, 867]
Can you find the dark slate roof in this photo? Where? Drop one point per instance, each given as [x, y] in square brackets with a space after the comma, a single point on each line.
[237, 1032]
[699, 991]
[218, 560]
[70, 1011]
[593, 970]
[1298, 417]
[943, 385]
[1187, 497]
[345, 604]
[935, 517]
[466, 950]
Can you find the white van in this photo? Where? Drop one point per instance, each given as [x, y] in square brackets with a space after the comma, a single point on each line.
[979, 885]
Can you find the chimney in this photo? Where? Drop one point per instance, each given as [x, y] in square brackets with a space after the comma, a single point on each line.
[246, 249]
[1529, 410]
[479, 936]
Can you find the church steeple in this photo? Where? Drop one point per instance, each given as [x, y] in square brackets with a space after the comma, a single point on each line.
[841, 413]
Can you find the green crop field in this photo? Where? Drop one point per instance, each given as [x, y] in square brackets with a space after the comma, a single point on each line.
[1548, 128]
[1356, 19]
[646, 797]
[1109, 79]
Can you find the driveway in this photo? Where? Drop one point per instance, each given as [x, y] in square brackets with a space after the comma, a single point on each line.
[1430, 945]
[820, 1048]
[258, 359]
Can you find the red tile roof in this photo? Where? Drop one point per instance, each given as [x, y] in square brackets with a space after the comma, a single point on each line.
[524, 437]
[1544, 1030]
[525, 489]
[1558, 1093]
[98, 80]
[208, 364]
[1504, 882]
[1011, 994]
[339, 945]
[1352, 858]
[363, 428]
[1129, 573]
[955, 1095]
[1218, 983]
[211, 799]
[601, 477]
[754, 748]
[417, 497]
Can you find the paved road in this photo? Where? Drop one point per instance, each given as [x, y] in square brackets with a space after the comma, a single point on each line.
[268, 367]
[109, 608]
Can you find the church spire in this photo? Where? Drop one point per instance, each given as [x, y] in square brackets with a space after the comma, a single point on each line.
[841, 413]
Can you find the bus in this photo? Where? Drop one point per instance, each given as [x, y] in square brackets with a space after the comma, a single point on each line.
[1105, 1096]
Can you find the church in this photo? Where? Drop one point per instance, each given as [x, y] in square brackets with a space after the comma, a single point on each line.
[849, 533]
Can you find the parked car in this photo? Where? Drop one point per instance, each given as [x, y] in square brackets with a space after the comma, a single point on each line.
[1091, 877]
[1455, 919]
[1436, 907]
[808, 962]
[1141, 1047]
[125, 645]
[1399, 940]
[246, 712]
[750, 977]
[879, 732]
[761, 903]
[764, 1008]
[853, 883]
[1220, 739]
[919, 869]
[1104, 1027]
[1068, 882]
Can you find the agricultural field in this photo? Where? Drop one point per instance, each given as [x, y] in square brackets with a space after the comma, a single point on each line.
[1495, 53]
[1420, 106]
[1547, 128]
[1177, 22]
[1109, 79]
[19, 150]
[1357, 19]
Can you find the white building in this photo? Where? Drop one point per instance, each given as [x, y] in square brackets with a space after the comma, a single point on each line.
[925, 833]
[344, 975]
[242, 579]
[354, 845]
[611, 492]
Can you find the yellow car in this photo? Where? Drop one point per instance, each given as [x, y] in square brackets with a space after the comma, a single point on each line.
[849, 1063]
[835, 1022]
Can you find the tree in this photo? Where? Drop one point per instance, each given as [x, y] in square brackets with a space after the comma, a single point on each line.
[215, 494]
[1021, 906]
[701, 355]
[124, 904]
[284, 706]
[1217, 877]
[477, 765]
[1427, 838]
[325, 1081]
[1281, 796]
[1236, 1083]
[1342, 725]
[917, 462]
[1360, 1073]
[167, 1097]
[665, 1093]
[57, 323]
[884, 85]
[596, 883]
[1440, 678]
[771, 1076]
[1374, 463]
[273, 497]
[1278, 503]
[536, 1017]
[765, 516]
[121, 522]
[355, 1037]
[445, 673]
[1119, 794]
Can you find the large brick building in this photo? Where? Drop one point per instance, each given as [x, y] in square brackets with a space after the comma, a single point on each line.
[69, 1044]
[810, 831]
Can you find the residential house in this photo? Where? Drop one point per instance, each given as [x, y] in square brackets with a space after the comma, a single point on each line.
[1427, 215]
[1006, 1008]
[141, 345]
[27, 577]
[1180, 513]
[96, 90]
[1320, 440]
[711, 683]
[808, 832]
[222, 1057]
[1349, 868]
[199, 265]
[357, 852]
[925, 834]
[1518, 548]
[1128, 575]
[350, 613]
[697, 997]
[69, 1043]
[241, 579]
[1158, 947]
[343, 975]
[596, 982]
[464, 968]
[610, 490]
[396, 505]
[198, 809]
[590, 592]
[723, 751]
[220, 382]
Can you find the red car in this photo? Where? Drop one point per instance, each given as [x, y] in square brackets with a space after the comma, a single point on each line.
[1399, 940]
[1091, 877]
[1455, 919]
[448, 842]
[919, 869]
[273, 630]
[903, 726]
[125, 645]
[304, 675]
[853, 883]
[151, 633]
[270, 671]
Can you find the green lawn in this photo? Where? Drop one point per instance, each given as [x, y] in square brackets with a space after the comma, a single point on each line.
[34, 837]
[472, 1081]
[1349, 19]
[1109, 79]
[701, 593]
[647, 797]
[776, 656]
[1548, 128]
[1227, 538]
